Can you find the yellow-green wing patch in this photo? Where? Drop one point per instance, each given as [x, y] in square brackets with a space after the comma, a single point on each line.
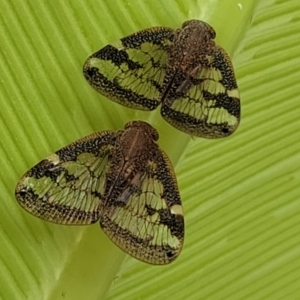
[66, 187]
[150, 225]
[204, 102]
[131, 71]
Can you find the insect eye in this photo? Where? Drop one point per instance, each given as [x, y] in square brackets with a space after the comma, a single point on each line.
[154, 135]
[152, 132]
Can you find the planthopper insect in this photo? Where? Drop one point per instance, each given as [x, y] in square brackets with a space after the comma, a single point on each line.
[182, 69]
[120, 178]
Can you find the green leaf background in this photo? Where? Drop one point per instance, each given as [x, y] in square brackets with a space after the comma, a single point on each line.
[240, 194]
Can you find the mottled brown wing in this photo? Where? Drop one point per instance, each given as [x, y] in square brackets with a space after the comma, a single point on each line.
[206, 102]
[131, 71]
[67, 186]
[149, 225]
